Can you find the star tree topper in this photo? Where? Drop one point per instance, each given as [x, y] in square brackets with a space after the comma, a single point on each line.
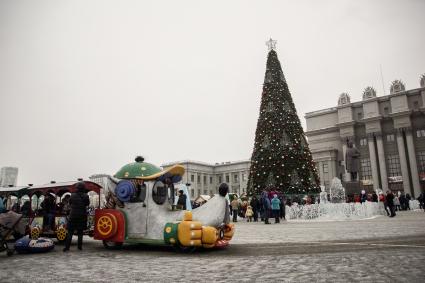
[271, 44]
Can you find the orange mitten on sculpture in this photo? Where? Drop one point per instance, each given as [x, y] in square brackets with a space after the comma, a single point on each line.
[190, 232]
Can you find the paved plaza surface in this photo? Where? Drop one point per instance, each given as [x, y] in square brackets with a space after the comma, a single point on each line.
[379, 249]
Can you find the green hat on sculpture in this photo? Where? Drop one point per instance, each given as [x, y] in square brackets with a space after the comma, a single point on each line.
[146, 171]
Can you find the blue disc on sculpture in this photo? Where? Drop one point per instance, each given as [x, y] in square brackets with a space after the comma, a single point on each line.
[125, 190]
[176, 179]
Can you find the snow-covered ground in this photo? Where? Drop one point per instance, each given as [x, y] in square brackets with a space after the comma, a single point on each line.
[292, 251]
[405, 223]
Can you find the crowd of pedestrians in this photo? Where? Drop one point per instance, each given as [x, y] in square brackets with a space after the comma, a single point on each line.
[270, 204]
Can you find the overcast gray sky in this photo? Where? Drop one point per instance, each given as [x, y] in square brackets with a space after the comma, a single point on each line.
[85, 86]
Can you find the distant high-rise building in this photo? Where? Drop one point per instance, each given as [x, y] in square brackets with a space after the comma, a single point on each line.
[101, 180]
[8, 176]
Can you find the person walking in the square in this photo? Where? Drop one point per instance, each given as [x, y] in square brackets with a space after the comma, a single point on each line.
[396, 203]
[266, 207]
[282, 207]
[249, 213]
[390, 203]
[276, 208]
[181, 202]
[78, 216]
[255, 204]
[235, 208]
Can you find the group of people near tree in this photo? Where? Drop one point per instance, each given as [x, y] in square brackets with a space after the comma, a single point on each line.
[270, 204]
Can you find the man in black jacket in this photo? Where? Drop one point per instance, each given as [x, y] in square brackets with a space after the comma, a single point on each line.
[78, 215]
[181, 202]
[390, 203]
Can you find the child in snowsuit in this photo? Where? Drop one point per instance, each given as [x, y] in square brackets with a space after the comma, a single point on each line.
[249, 213]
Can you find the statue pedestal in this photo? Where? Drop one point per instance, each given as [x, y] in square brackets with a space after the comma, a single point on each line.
[352, 187]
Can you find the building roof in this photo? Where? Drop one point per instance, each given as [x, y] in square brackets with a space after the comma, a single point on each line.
[409, 92]
[5, 191]
[217, 164]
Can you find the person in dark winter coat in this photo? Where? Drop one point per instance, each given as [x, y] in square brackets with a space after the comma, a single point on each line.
[266, 207]
[407, 202]
[402, 199]
[282, 207]
[390, 203]
[181, 202]
[255, 204]
[374, 197]
[78, 216]
[49, 210]
[421, 200]
[363, 197]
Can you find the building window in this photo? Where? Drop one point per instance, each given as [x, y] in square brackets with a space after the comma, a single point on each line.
[211, 180]
[227, 179]
[420, 133]
[386, 111]
[192, 178]
[363, 142]
[205, 192]
[205, 180]
[394, 168]
[192, 193]
[416, 105]
[421, 162]
[325, 168]
[360, 115]
[220, 179]
[199, 192]
[235, 178]
[366, 170]
[199, 179]
[243, 177]
[390, 138]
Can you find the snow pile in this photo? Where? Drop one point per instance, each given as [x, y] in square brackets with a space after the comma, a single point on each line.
[334, 211]
[414, 204]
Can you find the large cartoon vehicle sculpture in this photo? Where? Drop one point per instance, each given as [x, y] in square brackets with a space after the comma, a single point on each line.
[140, 209]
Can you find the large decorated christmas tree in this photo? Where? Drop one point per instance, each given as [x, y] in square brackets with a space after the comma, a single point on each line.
[281, 159]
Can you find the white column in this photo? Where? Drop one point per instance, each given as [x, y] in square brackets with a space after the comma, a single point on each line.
[196, 187]
[382, 163]
[346, 176]
[413, 164]
[403, 162]
[240, 182]
[373, 163]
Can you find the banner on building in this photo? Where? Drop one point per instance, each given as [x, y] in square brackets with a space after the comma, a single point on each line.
[395, 179]
[367, 182]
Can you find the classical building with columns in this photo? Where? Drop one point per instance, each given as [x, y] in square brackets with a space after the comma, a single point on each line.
[204, 178]
[389, 132]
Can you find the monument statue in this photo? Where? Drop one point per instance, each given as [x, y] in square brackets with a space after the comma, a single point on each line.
[352, 160]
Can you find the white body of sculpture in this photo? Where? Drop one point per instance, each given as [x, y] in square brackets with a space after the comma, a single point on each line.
[146, 219]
